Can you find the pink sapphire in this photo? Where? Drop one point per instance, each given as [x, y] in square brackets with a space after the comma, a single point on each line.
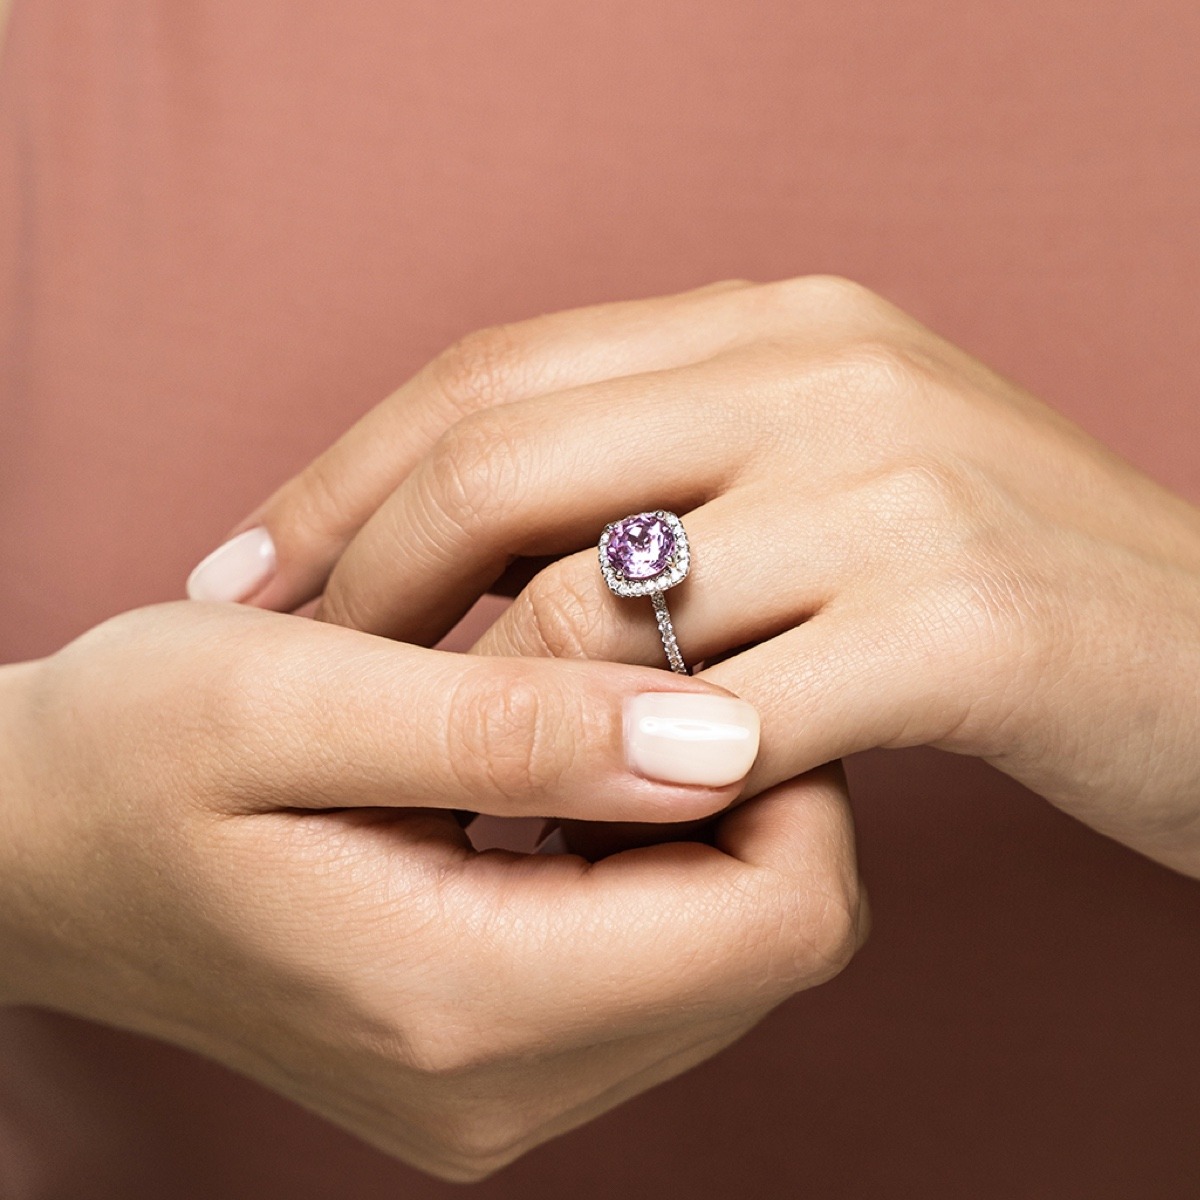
[641, 546]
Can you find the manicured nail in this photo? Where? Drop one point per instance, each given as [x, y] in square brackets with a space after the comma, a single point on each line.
[236, 569]
[684, 737]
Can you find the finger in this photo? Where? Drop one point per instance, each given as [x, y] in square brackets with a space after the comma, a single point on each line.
[311, 518]
[861, 674]
[681, 927]
[541, 476]
[759, 566]
[330, 718]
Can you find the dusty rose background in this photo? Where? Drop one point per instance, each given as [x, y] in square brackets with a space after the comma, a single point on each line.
[228, 227]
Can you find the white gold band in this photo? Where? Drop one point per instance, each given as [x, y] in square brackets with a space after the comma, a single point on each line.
[666, 631]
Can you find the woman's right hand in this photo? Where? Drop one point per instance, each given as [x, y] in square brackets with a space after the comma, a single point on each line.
[237, 831]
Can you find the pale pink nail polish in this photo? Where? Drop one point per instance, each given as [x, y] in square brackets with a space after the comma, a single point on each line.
[685, 737]
[236, 569]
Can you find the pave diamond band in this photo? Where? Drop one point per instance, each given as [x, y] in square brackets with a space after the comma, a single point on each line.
[643, 555]
[666, 631]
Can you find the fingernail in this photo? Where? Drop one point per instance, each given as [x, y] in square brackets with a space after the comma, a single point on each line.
[236, 569]
[683, 737]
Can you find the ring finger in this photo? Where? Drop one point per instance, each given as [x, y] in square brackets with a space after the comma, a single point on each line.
[757, 568]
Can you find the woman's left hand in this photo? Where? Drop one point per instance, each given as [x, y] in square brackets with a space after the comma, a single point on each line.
[891, 545]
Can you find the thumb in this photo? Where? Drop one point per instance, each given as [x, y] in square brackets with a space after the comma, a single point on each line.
[370, 722]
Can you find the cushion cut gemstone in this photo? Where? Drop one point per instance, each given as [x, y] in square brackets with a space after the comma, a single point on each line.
[641, 546]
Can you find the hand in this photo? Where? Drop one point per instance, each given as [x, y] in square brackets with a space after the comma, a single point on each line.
[900, 546]
[205, 836]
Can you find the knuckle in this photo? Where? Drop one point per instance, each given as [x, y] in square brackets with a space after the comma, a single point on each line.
[723, 285]
[924, 493]
[470, 1131]
[810, 927]
[435, 1055]
[839, 931]
[830, 293]
[481, 369]
[479, 1141]
[508, 732]
[821, 932]
[562, 614]
[880, 366]
[867, 388]
[250, 689]
[475, 471]
[916, 510]
[249, 693]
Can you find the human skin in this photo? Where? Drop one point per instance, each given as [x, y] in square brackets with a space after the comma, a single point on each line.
[238, 831]
[891, 544]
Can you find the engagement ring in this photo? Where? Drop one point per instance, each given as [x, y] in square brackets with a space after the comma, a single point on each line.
[643, 555]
